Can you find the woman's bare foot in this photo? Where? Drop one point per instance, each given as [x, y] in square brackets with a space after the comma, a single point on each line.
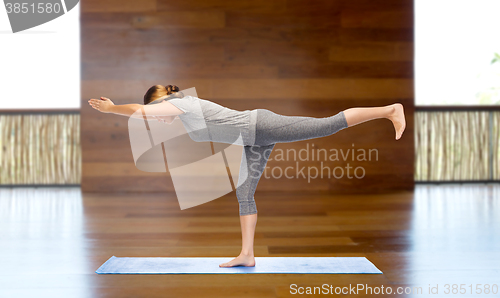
[397, 116]
[241, 260]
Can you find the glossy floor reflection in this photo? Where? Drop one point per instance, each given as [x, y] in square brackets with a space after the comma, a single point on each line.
[455, 235]
[53, 239]
[42, 247]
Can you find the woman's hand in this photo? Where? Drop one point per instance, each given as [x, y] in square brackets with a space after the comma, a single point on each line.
[102, 105]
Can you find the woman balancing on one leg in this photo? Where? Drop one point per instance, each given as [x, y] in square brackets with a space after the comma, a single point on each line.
[261, 129]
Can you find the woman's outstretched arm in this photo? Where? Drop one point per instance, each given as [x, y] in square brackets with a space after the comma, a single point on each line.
[105, 105]
[165, 111]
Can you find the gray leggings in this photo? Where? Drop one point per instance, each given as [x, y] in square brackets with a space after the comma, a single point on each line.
[273, 128]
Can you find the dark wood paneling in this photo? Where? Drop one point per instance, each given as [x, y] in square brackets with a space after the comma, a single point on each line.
[117, 6]
[309, 58]
[355, 18]
[373, 51]
[352, 69]
[304, 20]
[247, 6]
[375, 34]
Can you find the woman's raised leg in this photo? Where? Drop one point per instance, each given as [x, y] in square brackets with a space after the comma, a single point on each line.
[275, 128]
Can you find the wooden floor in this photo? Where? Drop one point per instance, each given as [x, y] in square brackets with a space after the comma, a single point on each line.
[53, 239]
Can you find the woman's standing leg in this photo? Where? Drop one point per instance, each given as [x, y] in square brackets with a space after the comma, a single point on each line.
[253, 164]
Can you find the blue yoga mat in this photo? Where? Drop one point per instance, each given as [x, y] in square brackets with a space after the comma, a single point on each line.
[312, 265]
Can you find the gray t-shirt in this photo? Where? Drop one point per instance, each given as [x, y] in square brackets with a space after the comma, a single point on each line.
[207, 121]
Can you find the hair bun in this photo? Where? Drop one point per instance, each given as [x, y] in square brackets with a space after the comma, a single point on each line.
[171, 89]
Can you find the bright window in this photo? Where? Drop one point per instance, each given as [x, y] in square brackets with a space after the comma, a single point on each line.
[40, 66]
[455, 43]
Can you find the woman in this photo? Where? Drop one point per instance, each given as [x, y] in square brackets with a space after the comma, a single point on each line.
[261, 129]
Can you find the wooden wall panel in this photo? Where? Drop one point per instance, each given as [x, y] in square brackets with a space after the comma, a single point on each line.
[247, 6]
[117, 6]
[294, 57]
[383, 51]
[376, 19]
